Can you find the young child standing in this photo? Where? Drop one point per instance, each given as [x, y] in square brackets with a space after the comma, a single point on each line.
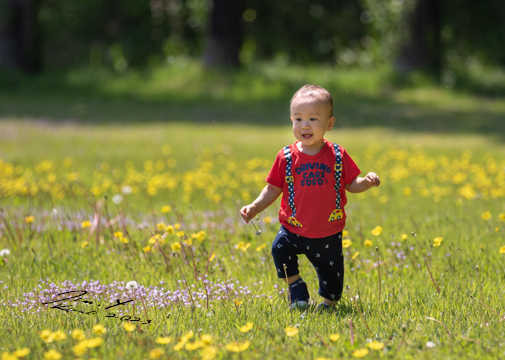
[313, 175]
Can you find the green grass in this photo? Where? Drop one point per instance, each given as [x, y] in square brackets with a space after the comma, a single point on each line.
[436, 165]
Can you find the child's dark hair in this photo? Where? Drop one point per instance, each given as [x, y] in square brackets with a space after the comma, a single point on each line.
[316, 92]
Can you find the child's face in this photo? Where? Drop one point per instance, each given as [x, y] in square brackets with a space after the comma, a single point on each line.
[311, 119]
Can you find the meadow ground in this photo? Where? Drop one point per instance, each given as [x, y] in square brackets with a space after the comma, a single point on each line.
[97, 191]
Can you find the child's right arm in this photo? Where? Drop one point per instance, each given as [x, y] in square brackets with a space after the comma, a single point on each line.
[264, 200]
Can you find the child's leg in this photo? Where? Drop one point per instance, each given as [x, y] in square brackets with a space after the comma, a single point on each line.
[326, 256]
[284, 252]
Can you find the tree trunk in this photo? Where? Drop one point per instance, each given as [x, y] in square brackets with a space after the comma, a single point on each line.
[224, 34]
[20, 37]
[422, 50]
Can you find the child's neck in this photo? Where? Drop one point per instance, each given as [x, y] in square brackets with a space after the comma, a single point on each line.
[310, 150]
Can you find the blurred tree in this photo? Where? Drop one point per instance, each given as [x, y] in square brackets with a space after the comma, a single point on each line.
[224, 34]
[20, 36]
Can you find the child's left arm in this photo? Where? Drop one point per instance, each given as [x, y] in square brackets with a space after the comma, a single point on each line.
[360, 184]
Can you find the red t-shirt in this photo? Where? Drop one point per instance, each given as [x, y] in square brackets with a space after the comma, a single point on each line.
[314, 186]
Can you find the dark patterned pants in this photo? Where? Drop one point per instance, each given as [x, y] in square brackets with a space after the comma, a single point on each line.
[324, 253]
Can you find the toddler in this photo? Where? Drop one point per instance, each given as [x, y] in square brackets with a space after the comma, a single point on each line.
[312, 175]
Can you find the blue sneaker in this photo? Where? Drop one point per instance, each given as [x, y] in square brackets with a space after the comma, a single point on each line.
[298, 295]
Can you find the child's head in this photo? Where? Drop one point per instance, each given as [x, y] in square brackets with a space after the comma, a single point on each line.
[312, 115]
[313, 94]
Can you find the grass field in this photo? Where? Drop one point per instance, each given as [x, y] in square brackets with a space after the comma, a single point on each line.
[102, 186]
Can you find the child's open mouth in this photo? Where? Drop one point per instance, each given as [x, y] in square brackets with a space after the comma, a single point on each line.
[306, 136]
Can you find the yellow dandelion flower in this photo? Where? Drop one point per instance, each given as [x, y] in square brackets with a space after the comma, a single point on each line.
[345, 233]
[156, 353]
[47, 336]
[238, 303]
[212, 257]
[128, 327]
[208, 353]
[165, 209]
[176, 246]
[164, 340]
[80, 349]
[59, 335]
[237, 347]
[21, 352]
[177, 226]
[267, 219]
[161, 226]
[99, 329]
[188, 336]
[334, 337]
[7, 356]
[86, 224]
[180, 234]
[291, 331]
[404, 237]
[118, 234]
[123, 240]
[194, 345]
[248, 326]
[146, 249]
[207, 339]
[502, 217]
[486, 215]
[360, 353]
[78, 334]
[52, 355]
[29, 219]
[375, 345]
[261, 247]
[496, 229]
[346, 243]
[368, 243]
[502, 250]
[437, 241]
[84, 244]
[355, 255]
[376, 231]
[152, 240]
[95, 342]
[170, 229]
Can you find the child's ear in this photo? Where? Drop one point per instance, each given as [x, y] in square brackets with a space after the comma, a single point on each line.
[291, 119]
[331, 122]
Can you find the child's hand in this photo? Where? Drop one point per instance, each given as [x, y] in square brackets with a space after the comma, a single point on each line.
[372, 179]
[248, 212]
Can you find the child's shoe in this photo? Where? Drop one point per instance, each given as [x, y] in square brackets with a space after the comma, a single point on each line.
[322, 308]
[298, 294]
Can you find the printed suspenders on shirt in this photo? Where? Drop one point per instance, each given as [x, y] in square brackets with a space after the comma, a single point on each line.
[337, 214]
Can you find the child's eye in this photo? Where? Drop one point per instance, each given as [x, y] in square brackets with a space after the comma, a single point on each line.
[298, 119]
[313, 119]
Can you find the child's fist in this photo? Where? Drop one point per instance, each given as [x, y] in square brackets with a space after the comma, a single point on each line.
[372, 179]
[248, 212]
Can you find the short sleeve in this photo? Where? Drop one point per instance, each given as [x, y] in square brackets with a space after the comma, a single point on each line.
[351, 170]
[276, 176]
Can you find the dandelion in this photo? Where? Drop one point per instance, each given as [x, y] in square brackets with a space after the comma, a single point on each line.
[376, 231]
[496, 229]
[59, 335]
[80, 349]
[291, 331]
[360, 353]
[84, 244]
[502, 217]
[52, 355]
[237, 347]
[123, 240]
[21, 352]
[437, 241]
[128, 327]
[248, 326]
[177, 226]
[47, 336]
[345, 233]
[164, 340]
[180, 234]
[165, 209]
[261, 247]
[146, 249]
[267, 219]
[238, 303]
[355, 255]
[207, 339]
[212, 257]
[5, 252]
[375, 345]
[156, 353]
[152, 240]
[170, 229]
[99, 329]
[132, 285]
[86, 224]
[502, 250]
[78, 334]
[346, 243]
[95, 342]
[208, 353]
[486, 215]
[404, 237]
[7, 356]
[117, 199]
[334, 337]
[368, 243]
[160, 226]
[118, 234]
[29, 219]
[407, 191]
[176, 246]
